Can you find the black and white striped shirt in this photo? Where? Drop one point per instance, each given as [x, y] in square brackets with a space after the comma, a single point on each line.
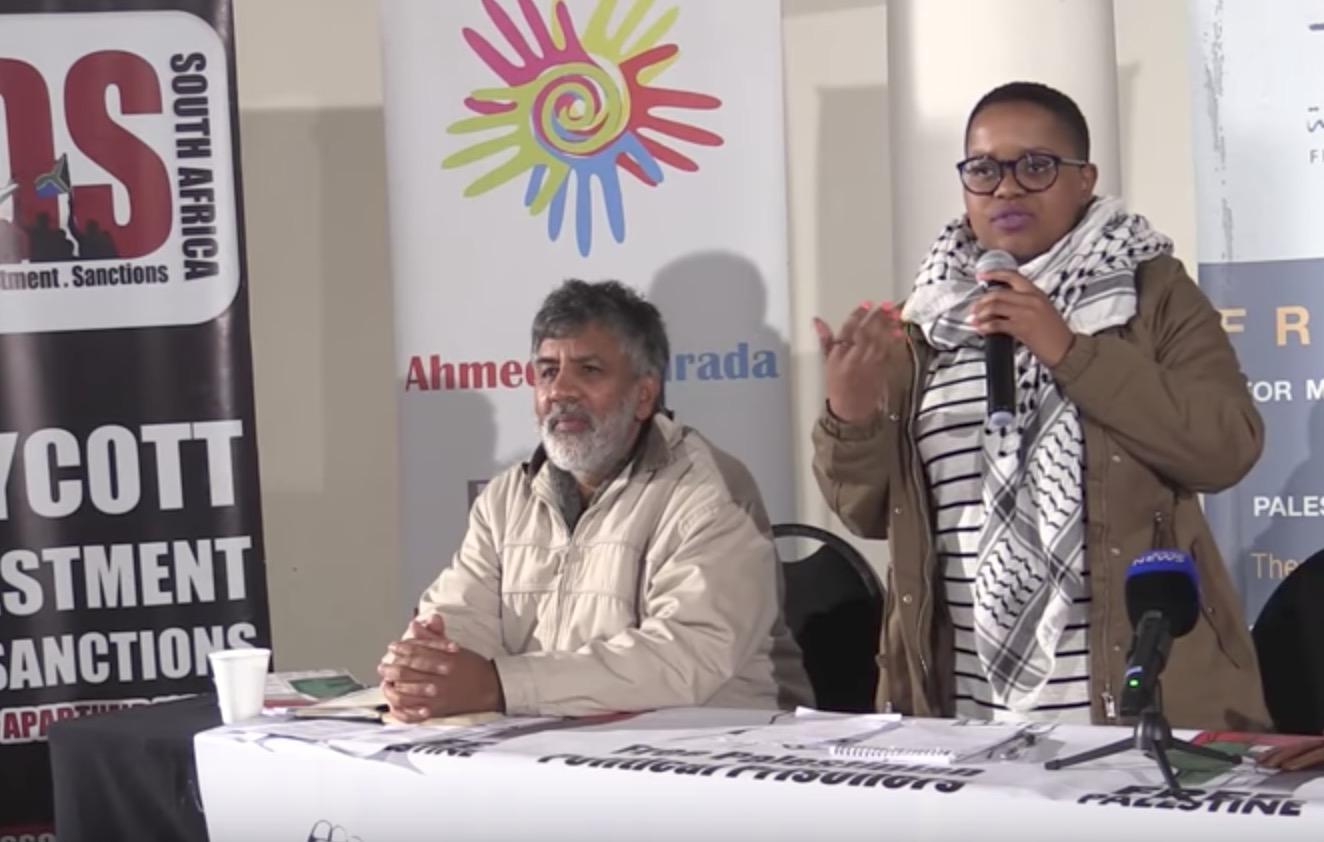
[949, 433]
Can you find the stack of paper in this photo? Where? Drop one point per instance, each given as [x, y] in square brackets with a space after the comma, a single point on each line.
[286, 691]
[943, 741]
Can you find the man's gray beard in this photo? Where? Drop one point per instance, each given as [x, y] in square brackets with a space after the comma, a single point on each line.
[591, 454]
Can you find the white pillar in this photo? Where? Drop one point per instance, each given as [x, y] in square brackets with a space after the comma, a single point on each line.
[942, 55]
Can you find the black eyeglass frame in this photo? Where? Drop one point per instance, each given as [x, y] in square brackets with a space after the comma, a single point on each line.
[1005, 164]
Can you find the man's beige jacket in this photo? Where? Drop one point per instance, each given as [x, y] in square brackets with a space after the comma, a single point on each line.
[667, 592]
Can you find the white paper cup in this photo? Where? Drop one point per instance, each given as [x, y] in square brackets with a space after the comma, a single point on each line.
[241, 680]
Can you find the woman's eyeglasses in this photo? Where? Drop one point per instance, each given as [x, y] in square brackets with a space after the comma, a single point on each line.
[1033, 171]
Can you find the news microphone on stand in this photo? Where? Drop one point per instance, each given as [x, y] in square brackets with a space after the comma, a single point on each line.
[1163, 603]
[999, 349]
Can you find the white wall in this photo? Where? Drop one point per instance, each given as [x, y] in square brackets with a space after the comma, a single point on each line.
[314, 179]
[840, 196]
[931, 96]
[315, 208]
[1153, 85]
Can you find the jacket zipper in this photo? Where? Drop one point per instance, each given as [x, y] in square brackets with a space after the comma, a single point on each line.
[1157, 542]
[560, 570]
[921, 504]
[1109, 700]
[562, 564]
[1101, 660]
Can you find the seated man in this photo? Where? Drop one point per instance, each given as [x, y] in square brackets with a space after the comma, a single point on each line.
[628, 565]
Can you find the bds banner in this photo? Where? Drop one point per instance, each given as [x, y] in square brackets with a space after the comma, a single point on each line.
[1259, 143]
[130, 528]
[531, 142]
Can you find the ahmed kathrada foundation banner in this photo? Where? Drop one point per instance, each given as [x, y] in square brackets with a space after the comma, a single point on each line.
[531, 142]
[130, 529]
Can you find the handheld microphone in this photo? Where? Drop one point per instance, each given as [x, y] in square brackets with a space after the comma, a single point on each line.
[999, 351]
[1163, 603]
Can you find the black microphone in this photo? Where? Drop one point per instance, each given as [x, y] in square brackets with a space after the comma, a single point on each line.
[999, 350]
[1163, 603]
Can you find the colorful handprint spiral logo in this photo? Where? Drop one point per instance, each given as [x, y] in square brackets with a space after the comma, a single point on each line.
[578, 109]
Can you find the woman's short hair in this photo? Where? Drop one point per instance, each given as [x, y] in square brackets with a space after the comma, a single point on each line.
[1060, 105]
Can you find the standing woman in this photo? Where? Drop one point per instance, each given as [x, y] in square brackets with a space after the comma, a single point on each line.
[1009, 546]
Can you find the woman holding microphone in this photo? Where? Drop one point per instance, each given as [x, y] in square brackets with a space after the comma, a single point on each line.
[1010, 544]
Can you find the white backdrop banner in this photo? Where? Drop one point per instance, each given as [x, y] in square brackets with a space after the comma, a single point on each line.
[1259, 143]
[531, 142]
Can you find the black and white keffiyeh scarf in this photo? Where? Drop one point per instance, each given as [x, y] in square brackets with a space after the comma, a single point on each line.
[1031, 557]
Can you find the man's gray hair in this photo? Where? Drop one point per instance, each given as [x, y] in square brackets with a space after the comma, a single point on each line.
[576, 304]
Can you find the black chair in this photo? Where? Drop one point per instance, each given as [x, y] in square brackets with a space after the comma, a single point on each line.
[1289, 641]
[834, 608]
